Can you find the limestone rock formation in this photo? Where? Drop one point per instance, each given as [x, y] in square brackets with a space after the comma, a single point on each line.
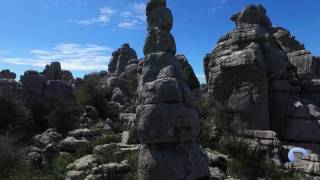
[188, 72]
[36, 89]
[8, 85]
[309, 165]
[106, 162]
[167, 122]
[121, 82]
[7, 74]
[53, 71]
[265, 78]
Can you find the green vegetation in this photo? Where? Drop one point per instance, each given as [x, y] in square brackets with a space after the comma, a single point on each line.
[13, 112]
[59, 166]
[88, 94]
[133, 163]
[216, 134]
[250, 165]
[64, 115]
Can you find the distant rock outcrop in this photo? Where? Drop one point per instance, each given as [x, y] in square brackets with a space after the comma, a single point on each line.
[8, 85]
[265, 79]
[54, 72]
[36, 87]
[167, 122]
[7, 74]
[121, 82]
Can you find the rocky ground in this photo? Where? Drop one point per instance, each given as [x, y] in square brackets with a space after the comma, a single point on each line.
[151, 119]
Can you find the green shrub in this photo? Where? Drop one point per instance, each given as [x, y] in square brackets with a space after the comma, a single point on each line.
[59, 166]
[133, 164]
[11, 164]
[9, 158]
[250, 165]
[88, 94]
[213, 124]
[13, 112]
[64, 115]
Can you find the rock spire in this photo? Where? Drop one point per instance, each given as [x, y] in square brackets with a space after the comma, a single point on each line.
[167, 120]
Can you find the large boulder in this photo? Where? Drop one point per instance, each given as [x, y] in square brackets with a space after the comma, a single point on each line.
[265, 79]
[7, 74]
[121, 82]
[72, 144]
[52, 71]
[120, 59]
[33, 83]
[47, 137]
[167, 161]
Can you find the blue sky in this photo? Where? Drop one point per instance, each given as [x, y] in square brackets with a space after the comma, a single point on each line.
[83, 33]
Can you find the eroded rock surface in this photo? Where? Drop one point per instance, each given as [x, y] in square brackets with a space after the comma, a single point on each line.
[265, 78]
[167, 122]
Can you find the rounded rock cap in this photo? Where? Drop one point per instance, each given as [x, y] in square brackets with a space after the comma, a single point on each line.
[155, 3]
[252, 14]
[125, 45]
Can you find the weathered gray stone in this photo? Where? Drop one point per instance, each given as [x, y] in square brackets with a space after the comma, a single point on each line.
[107, 151]
[252, 15]
[188, 73]
[47, 137]
[7, 74]
[120, 59]
[159, 40]
[33, 83]
[167, 122]
[71, 144]
[180, 161]
[160, 17]
[52, 71]
[264, 78]
[109, 171]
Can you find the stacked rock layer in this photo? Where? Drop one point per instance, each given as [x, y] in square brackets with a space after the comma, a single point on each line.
[265, 79]
[121, 81]
[167, 120]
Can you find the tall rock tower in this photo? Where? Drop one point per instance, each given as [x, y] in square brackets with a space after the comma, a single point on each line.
[167, 120]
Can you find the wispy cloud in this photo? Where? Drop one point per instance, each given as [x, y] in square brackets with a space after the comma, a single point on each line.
[130, 16]
[3, 53]
[88, 57]
[217, 5]
[133, 17]
[105, 14]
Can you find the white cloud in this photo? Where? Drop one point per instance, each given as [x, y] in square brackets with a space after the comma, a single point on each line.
[130, 24]
[133, 17]
[218, 5]
[103, 18]
[87, 57]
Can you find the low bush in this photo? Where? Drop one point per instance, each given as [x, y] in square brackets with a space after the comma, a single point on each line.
[59, 166]
[88, 94]
[250, 165]
[133, 163]
[64, 115]
[13, 112]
